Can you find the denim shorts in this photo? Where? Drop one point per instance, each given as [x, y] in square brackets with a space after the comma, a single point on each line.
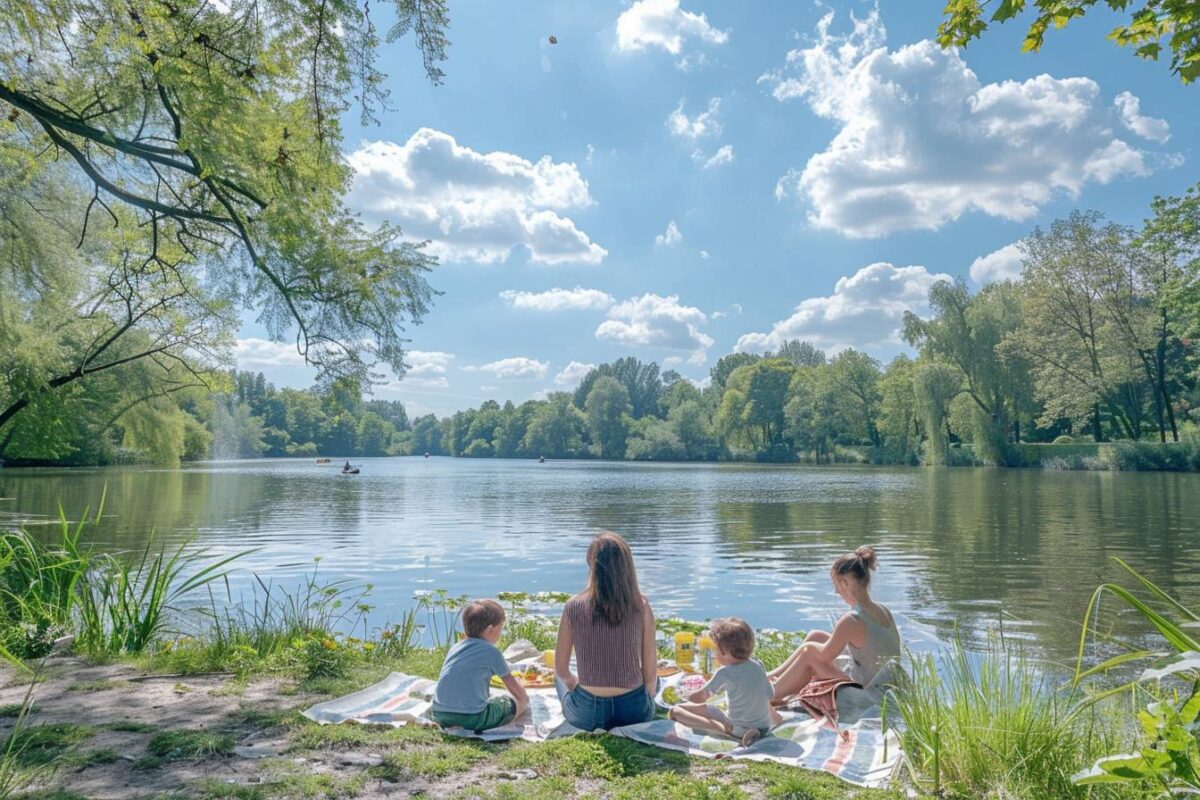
[588, 712]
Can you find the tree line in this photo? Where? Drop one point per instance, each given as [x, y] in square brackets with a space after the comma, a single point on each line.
[1095, 341]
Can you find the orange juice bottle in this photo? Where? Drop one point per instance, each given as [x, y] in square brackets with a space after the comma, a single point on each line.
[685, 649]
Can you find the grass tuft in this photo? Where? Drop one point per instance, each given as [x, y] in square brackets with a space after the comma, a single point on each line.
[41, 745]
[192, 745]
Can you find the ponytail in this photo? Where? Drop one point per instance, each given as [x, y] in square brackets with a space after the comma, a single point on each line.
[857, 565]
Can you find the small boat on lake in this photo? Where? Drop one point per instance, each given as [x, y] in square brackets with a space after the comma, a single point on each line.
[324, 460]
[353, 471]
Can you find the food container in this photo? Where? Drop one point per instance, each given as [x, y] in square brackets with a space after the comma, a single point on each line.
[685, 649]
[707, 652]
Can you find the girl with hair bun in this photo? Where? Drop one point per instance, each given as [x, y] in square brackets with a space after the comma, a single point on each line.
[867, 632]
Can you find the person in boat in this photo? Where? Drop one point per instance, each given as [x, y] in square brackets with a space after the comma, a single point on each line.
[610, 628]
[347, 467]
[867, 632]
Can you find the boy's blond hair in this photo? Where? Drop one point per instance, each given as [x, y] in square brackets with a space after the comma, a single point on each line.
[479, 615]
[734, 636]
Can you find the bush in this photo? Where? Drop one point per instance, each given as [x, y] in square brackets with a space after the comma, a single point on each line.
[1063, 439]
[1153, 456]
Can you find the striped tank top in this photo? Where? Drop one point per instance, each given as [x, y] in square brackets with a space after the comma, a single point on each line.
[605, 655]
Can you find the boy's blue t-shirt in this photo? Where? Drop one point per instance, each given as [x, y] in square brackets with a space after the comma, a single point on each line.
[462, 686]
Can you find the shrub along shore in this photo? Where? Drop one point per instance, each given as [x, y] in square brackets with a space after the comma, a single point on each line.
[172, 693]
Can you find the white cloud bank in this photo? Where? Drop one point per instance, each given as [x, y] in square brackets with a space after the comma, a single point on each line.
[1000, 265]
[670, 237]
[653, 321]
[724, 155]
[577, 299]
[473, 206]
[573, 373]
[664, 25]
[514, 368]
[866, 310]
[922, 141]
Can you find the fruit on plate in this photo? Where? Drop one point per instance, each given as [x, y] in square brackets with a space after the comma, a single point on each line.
[670, 695]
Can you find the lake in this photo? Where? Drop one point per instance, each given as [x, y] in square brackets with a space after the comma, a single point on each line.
[967, 550]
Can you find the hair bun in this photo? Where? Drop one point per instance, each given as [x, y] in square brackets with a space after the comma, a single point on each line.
[867, 556]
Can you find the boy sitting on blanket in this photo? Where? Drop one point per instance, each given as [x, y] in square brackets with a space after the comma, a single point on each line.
[461, 699]
[745, 683]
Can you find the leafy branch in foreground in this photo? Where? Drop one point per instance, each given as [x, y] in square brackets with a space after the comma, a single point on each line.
[1176, 20]
[217, 127]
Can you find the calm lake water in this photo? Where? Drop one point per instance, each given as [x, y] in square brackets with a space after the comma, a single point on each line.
[964, 550]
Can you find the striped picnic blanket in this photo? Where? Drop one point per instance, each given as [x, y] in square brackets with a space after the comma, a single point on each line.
[863, 754]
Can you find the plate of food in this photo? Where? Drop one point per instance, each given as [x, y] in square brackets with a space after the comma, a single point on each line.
[667, 668]
[531, 677]
[678, 691]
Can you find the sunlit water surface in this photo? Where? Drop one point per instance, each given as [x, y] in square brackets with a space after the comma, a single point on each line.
[966, 550]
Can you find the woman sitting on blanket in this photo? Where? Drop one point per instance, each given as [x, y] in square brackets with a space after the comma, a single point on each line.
[610, 628]
[868, 632]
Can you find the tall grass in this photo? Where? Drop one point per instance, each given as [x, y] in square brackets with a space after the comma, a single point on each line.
[112, 604]
[994, 725]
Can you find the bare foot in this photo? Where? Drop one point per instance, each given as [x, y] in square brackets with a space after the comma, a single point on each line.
[751, 736]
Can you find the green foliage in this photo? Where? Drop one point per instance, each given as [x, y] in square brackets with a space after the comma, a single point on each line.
[996, 725]
[189, 745]
[607, 407]
[1148, 23]
[1168, 755]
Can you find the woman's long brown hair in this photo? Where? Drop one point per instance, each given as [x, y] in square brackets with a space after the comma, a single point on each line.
[612, 584]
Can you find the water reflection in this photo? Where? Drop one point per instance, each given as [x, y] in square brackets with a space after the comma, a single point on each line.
[962, 549]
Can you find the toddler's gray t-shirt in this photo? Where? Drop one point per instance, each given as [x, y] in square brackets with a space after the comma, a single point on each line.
[749, 692]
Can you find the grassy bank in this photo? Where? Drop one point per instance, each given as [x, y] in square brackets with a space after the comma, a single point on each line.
[204, 703]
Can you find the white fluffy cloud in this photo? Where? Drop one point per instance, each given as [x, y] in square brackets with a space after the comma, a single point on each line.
[706, 123]
[866, 310]
[1130, 108]
[573, 373]
[473, 206]
[254, 352]
[670, 237]
[577, 299]
[663, 24]
[922, 141]
[513, 368]
[724, 155]
[425, 363]
[657, 322]
[1000, 265]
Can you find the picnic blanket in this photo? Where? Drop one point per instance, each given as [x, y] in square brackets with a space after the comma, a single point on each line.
[861, 754]
[401, 699]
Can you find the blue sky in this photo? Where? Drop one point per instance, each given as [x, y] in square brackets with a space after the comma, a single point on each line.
[701, 177]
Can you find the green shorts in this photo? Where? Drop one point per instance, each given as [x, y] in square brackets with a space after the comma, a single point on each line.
[498, 711]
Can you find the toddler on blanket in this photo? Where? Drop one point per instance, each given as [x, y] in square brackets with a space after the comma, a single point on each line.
[461, 699]
[745, 683]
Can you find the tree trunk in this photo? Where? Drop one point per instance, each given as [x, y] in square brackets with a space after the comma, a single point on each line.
[1097, 430]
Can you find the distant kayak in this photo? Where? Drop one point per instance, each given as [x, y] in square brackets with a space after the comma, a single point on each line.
[350, 471]
[324, 460]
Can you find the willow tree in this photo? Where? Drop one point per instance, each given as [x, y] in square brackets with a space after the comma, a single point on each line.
[216, 126]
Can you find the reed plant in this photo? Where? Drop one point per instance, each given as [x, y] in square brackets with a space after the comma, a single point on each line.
[997, 725]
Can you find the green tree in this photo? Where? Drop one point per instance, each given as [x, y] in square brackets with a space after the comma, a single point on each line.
[899, 420]
[802, 354]
[556, 428]
[375, 434]
[607, 408]
[855, 378]
[211, 133]
[426, 436]
[935, 386]
[640, 379]
[965, 332]
[690, 423]
[1148, 23]
[725, 367]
